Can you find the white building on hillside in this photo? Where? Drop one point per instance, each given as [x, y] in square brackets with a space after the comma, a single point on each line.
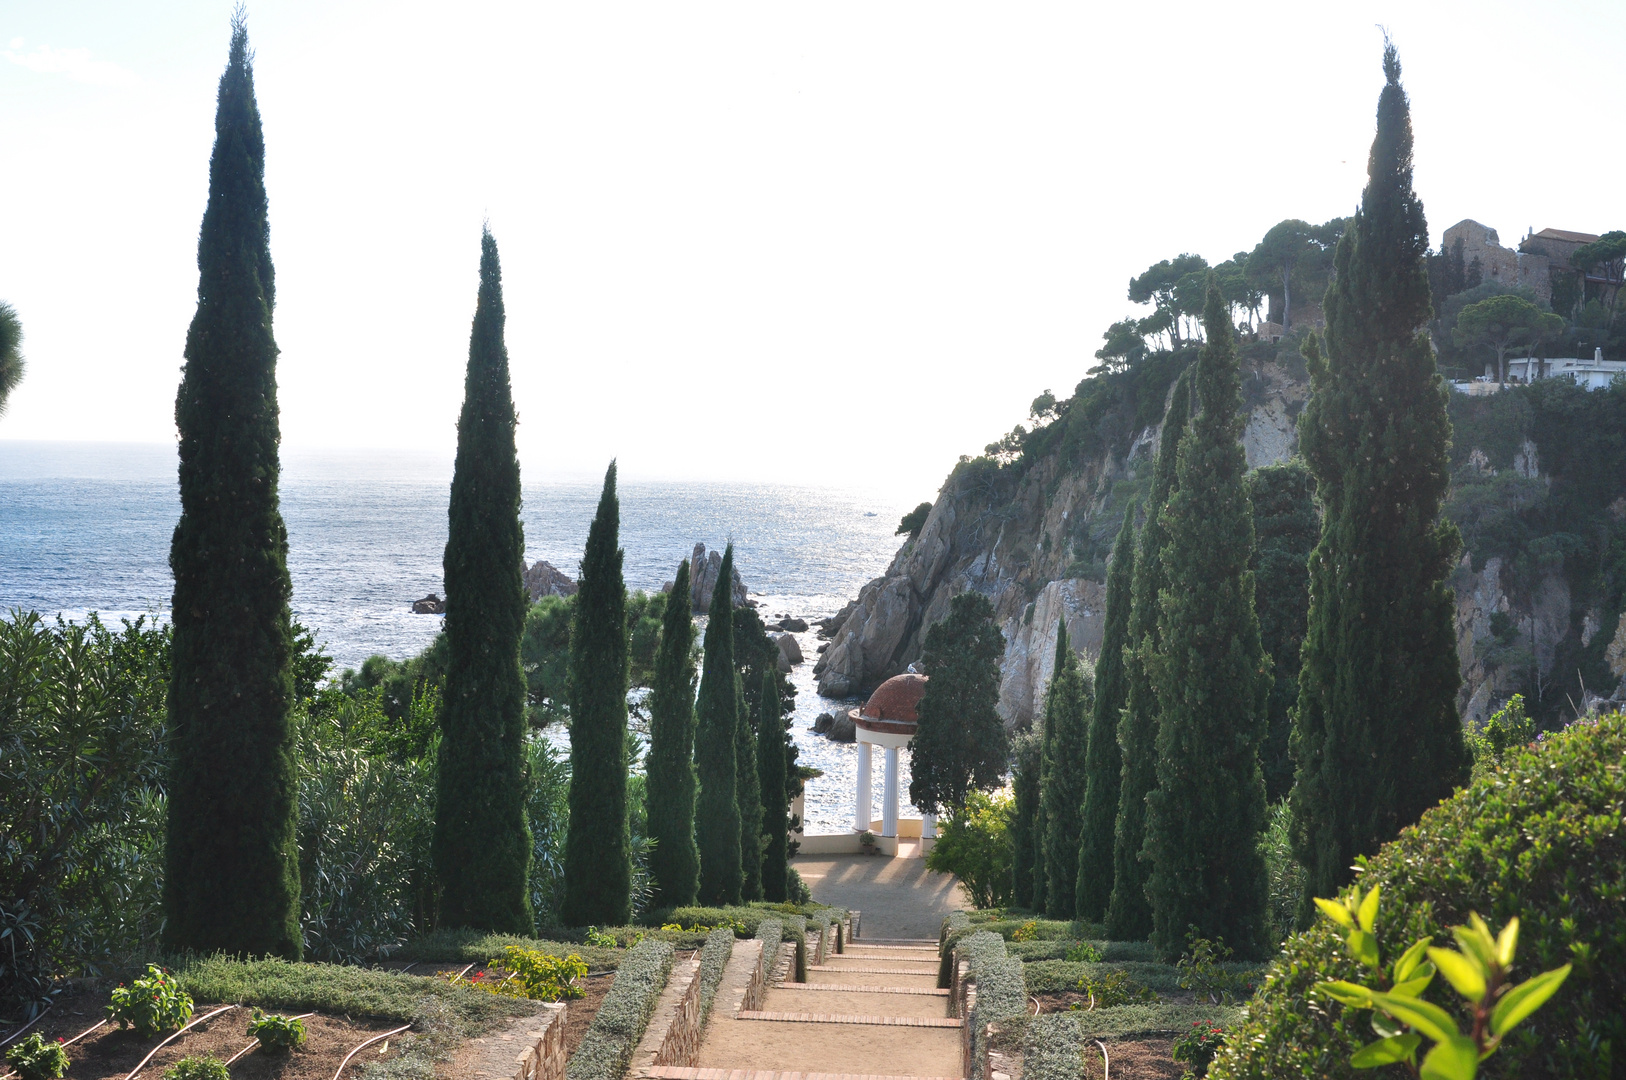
[1594, 373]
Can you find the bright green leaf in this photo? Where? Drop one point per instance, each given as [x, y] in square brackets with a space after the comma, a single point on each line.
[1462, 971]
[1413, 987]
[1425, 1016]
[1507, 942]
[1335, 911]
[1386, 1051]
[1475, 940]
[1455, 1058]
[1526, 998]
[1352, 994]
[1407, 964]
[1387, 1026]
[1363, 947]
[1368, 913]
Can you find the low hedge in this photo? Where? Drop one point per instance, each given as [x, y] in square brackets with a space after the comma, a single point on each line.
[1000, 995]
[1120, 1022]
[477, 946]
[1111, 951]
[1055, 976]
[713, 960]
[1051, 1048]
[1540, 837]
[621, 1018]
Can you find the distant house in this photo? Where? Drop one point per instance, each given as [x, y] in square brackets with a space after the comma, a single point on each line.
[1594, 373]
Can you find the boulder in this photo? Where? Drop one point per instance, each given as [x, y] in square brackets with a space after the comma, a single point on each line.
[704, 570]
[429, 605]
[789, 649]
[828, 628]
[793, 625]
[822, 724]
[545, 579]
[843, 729]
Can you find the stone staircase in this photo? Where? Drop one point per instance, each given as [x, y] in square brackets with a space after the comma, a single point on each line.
[872, 1012]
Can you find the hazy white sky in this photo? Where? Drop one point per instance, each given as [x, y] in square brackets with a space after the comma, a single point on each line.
[837, 243]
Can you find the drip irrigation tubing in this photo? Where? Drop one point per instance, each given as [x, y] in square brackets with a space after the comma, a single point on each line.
[26, 1026]
[255, 1042]
[462, 973]
[410, 966]
[177, 1035]
[366, 1044]
[85, 1032]
[1106, 1062]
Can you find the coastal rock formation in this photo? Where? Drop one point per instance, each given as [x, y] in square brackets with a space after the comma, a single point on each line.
[793, 625]
[545, 579]
[790, 653]
[704, 570]
[429, 605]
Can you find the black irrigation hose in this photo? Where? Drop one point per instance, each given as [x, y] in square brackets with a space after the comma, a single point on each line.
[365, 1045]
[177, 1035]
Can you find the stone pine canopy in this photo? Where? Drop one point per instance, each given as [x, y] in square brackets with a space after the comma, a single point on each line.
[892, 707]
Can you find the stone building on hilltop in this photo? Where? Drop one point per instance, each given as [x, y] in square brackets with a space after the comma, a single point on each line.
[1542, 258]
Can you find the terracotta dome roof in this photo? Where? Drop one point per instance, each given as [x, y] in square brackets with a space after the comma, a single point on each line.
[895, 699]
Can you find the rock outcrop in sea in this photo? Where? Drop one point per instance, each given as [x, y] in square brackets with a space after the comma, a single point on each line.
[704, 570]
[545, 579]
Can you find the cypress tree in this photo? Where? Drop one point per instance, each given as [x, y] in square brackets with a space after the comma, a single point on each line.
[598, 862]
[1102, 760]
[675, 863]
[717, 814]
[1377, 738]
[1212, 678]
[1129, 915]
[771, 772]
[748, 795]
[1025, 749]
[482, 842]
[960, 742]
[1068, 703]
[231, 879]
[1285, 531]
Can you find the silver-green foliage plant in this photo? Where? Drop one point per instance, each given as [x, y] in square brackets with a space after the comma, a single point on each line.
[713, 960]
[1479, 971]
[621, 1019]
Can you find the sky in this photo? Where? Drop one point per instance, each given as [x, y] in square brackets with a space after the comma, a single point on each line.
[837, 243]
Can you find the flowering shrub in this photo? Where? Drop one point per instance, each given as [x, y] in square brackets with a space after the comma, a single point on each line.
[197, 1067]
[151, 1004]
[1197, 1047]
[36, 1059]
[529, 973]
[277, 1034]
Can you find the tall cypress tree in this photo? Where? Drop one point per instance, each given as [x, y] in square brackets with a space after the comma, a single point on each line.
[482, 842]
[1285, 531]
[675, 863]
[717, 813]
[771, 772]
[1025, 833]
[1377, 738]
[1068, 703]
[1102, 760]
[1129, 914]
[748, 795]
[960, 743]
[231, 878]
[1212, 678]
[598, 863]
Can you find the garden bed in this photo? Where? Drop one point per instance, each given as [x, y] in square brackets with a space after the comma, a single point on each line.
[1139, 1059]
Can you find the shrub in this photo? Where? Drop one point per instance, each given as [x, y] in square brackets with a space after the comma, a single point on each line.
[621, 1019]
[153, 1003]
[713, 960]
[1538, 837]
[197, 1067]
[1050, 1049]
[1197, 1047]
[531, 974]
[277, 1034]
[1026, 932]
[1082, 952]
[975, 846]
[1000, 994]
[36, 1059]
[1113, 987]
[1203, 970]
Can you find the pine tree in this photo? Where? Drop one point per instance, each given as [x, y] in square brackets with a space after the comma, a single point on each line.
[748, 795]
[675, 863]
[231, 880]
[717, 814]
[960, 743]
[1025, 750]
[1068, 703]
[1285, 531]
[1377, 739]
[482, 842]
[1212, 679]
[1103, 761]
[1129, 914]
[771, 772]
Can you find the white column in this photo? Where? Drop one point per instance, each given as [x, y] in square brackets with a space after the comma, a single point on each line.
[889, 806]
[928, 825]
[861, 805]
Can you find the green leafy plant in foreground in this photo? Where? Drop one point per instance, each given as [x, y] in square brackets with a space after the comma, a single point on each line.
[153, 1003]
[1479, 973]
[36, 1059]
[197, 1067]
[1197, 1047]
[277, 1034]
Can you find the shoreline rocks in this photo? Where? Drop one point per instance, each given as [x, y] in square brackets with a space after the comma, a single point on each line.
[545, 579]
[429, 605]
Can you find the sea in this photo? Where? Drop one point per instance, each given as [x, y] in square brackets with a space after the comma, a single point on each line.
[85, 527]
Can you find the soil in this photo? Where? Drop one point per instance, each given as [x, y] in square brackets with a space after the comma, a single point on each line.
[1135, 1059]
[1063, 1000]
[579, 1012]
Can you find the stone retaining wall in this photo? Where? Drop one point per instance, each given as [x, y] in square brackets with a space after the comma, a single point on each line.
[545, 1057]
[673, 1035]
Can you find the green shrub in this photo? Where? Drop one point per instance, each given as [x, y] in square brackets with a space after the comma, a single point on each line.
[1089, 951]
[1206, 971]
[1000, 994]
[530, 974]
[476, 946]
[1051, 1048]
[1113, 987]
[1197, 1047]
[713, 960]
[277, 1034]
[36, 1059]
[1082, 952]
[197, 1067]
[1539, 837]
[975, 846]
[621, 1019]
[151, 1004]
[1128, 1021]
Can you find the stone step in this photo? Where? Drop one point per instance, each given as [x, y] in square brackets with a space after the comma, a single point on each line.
[670, 1072]
[836, 976]
[895, 967]
[862, 988]
[849, 1018]
[802, 998]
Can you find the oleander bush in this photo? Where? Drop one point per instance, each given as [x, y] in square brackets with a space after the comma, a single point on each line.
[620, 1021]
[714, 958]
[36, 1059]
[277, 1034]
[1539, 837]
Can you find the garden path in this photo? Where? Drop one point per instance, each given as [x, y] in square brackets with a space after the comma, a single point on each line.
[899, 897]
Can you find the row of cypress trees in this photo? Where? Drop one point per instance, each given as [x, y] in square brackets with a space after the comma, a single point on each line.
[1156, 831]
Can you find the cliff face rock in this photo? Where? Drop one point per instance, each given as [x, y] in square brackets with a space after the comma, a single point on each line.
[1495, 666]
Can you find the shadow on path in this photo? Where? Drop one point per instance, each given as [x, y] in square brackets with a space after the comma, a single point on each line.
[899, 898]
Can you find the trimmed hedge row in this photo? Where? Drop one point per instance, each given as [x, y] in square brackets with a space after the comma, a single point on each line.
[1119, 1022]
[1054, 976]
[619, 1024]
[713, 960]
[1111, 951]
[1051, 1048]
[1000, 995]
[477, 946]
[1541, 837]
